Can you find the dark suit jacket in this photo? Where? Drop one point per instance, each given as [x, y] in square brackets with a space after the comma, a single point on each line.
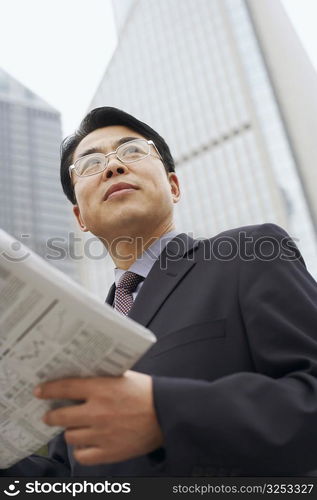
[235, 365]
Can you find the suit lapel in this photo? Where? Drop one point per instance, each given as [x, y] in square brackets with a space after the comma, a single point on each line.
[174, 262]
[110, 296]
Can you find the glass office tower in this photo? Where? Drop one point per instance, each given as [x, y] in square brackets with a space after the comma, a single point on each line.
[196, 72]
[33, 207]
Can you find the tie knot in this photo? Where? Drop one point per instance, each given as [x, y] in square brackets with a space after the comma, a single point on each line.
[129, 281]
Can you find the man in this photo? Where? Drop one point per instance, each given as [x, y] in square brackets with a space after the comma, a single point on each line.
[230, 387]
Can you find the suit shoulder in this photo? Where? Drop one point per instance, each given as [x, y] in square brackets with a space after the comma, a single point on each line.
[262, 242]
[256, 230]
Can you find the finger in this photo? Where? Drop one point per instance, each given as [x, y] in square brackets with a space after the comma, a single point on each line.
[68, 416]
[90, 456]
[81, 437]
[67, 388]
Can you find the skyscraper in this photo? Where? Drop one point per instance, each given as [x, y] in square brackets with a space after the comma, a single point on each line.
[32, 205]
[196, 71]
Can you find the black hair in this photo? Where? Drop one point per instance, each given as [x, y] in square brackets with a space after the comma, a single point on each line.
[104, 117]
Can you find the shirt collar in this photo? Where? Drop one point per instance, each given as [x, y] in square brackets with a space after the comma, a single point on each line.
[144, 263]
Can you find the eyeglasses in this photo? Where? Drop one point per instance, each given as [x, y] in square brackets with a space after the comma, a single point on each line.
[128, 152]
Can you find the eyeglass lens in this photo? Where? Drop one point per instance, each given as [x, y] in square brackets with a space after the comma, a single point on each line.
[127, 153]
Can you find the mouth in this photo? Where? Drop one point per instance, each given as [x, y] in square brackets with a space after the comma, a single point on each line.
[119, 189]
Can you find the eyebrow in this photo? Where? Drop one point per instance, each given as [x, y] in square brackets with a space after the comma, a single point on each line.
[114, 145]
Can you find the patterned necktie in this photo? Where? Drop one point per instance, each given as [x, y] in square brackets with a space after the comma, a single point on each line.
[123, 299]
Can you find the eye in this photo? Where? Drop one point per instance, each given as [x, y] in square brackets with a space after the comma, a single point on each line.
[134, 150]
[90, 164]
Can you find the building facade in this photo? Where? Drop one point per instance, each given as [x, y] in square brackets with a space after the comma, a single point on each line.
[32, 205]
[195, 70]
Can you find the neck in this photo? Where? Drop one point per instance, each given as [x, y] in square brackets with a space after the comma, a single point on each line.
[125, 251]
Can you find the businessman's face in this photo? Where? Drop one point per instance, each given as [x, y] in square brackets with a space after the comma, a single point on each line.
[145, 200]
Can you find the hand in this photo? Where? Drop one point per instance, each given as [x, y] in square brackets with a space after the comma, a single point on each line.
[115, 420]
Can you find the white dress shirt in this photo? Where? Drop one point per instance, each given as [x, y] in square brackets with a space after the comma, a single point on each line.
[144, 263]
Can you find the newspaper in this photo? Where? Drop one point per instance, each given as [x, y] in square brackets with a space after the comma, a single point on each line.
[51, 328]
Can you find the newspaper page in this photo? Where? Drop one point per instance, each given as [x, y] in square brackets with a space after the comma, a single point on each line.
[51, 328]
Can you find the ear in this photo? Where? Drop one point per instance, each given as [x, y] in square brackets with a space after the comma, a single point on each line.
[174, 182]
[81, 224]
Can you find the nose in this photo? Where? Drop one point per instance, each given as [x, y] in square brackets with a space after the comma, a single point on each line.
[115, 167]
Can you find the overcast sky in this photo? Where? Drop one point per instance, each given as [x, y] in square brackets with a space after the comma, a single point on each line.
[60, 48]
[303, 14]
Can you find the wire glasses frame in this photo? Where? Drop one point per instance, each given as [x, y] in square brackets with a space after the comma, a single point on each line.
[106, 160]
